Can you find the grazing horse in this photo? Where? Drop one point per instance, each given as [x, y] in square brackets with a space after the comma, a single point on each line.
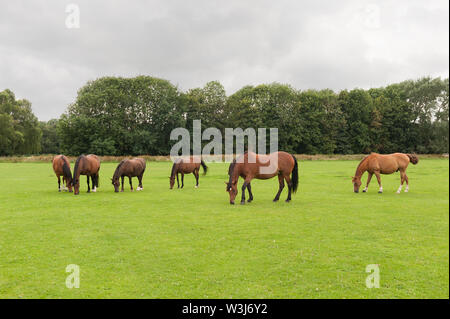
[251, 165]
[186, 166]
[61, 167]
[383, 164]
[131, 168]
[88, 165]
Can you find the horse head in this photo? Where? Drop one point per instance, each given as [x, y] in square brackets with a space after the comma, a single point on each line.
[116, 183]
[356, 183]
[232, 190]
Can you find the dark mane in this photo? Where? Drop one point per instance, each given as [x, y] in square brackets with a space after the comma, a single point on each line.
[172, 174]
[116, 172]
[76, 167]
[231, 170]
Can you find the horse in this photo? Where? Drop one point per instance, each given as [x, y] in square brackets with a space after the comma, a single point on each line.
[383, 164]
[88, 165]
[251, 165]
[61, 167]
[187, 166]
[131, 168]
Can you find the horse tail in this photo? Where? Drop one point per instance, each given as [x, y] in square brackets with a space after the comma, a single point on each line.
[294, 176]
[205, 168]
[413, 158]
[66, 171]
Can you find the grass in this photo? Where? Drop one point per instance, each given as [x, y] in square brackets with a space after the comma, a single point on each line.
[191, 243]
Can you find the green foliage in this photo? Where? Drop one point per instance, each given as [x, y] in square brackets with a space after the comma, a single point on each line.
[19, 128]
[132, 116]
[111, 115]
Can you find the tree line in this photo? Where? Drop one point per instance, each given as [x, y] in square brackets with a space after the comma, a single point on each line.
[131, 116]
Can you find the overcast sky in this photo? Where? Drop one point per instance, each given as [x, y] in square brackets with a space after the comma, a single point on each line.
[308, 44]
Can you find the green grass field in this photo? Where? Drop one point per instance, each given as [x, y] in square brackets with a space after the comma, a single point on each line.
[192, 243]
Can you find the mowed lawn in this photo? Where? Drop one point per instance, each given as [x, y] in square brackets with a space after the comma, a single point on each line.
[191, 243]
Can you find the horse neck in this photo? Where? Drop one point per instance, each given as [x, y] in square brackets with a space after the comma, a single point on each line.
[77, 169]
[234, 176]
[362, 167]
[174, 169]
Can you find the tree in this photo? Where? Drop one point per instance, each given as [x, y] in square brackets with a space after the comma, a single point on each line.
[111, 114]
[19, 127]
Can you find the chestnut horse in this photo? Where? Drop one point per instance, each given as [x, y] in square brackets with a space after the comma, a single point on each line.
[129, 167]
[61, 167]
[383, 164]
[251, 165]
[187, 166]
[88, 165]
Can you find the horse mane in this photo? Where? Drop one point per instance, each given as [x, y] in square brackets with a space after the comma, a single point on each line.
[230, 171]
[116, 172]
[172, 174]
[66, 169]
[362, 161]
[77, 163]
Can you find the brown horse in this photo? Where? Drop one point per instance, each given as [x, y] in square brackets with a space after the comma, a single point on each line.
[383, 164]
[251, 165]
[88, 165]
[187, 166]
[61, 167]
[129, 167]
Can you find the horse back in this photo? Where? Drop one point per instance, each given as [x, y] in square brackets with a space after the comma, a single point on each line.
[93, 163]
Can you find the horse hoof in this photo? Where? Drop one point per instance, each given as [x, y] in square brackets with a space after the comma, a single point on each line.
[364, 191]
[243, 202]
[249, 201]
[380, 192]
[59, 190]
[287, 200]
[196, 186]
[275, 200]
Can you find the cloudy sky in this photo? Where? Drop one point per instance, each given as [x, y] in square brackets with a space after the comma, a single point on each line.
[308, 44]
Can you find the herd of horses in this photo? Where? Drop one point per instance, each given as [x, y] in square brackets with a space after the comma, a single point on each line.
[248, 166]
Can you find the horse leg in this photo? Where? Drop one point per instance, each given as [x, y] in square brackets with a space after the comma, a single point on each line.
[140, 183]
[250, 194]
[59, 183]
[196, 177]
[94, 182]
[280, 189]
[87, 179]
[131, 184]
[123, 178]
[377, 174]
[369, 177]
[244, 186]
[289, 183]
[182, 180]
[407, 183]
[178, 181]
[402, 180]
